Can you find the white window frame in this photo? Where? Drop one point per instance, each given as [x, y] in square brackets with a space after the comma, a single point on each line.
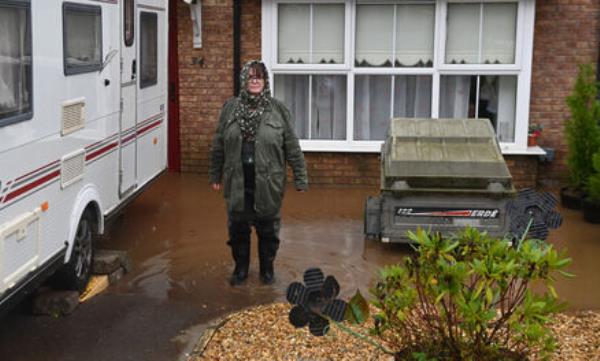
[521, 68]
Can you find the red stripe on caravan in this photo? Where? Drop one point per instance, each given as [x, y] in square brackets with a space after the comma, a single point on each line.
[32, 185]
[100, 151]
[100, 141]
[124, 141]
[37, 170]
[143, 130]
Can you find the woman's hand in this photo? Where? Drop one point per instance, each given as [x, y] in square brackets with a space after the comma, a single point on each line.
[216, 186]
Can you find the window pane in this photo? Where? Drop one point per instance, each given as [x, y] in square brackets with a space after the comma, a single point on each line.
[412, 96]
[496, 101]
[148, 50]
[293, 33]
[292, 90]
[328, 103]
[374, 35]
[128, 15]
[462, 42]
[414, 35]
[15, 62]
[499, 33]
[457, 96]
[372, 106]
[328, 35]
[83, 38]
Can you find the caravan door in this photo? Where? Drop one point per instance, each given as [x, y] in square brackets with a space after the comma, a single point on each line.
[128, 123]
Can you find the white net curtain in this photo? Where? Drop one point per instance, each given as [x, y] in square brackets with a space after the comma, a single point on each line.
[15, 61]
[394, 35]
[328, 118]
[311, 33]
[495, 100]
[292, 90]
[481, 33]
[374, 94]
[326, 104]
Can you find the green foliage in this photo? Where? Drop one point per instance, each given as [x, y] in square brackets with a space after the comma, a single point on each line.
[357, 310]
[582, 131]
[467, 298]
[593, 184]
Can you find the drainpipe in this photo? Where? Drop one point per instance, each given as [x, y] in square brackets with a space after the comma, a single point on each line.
[237, 19]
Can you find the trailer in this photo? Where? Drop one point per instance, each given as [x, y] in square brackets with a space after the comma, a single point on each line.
[83, 128]
[445, 174]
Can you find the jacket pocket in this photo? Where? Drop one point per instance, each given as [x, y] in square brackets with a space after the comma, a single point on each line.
[276, 180]
[269, 191]
[272, 133]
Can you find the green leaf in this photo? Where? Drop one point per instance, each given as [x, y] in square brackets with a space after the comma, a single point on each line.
[489, 295]
[451, 247]
[566, 274]
[478, 289]
[563, 262]
[358, 309]
[552, 291]
[440, 296]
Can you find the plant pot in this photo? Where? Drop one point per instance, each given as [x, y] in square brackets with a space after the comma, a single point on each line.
[591, 211]
[571, 198]
[531, 140]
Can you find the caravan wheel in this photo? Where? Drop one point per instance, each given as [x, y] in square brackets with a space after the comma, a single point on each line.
[76, 273]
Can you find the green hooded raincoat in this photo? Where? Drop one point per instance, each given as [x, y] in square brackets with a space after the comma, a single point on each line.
[276, 144]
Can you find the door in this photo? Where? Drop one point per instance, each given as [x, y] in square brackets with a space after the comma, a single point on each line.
[152, 88]
[128, 122]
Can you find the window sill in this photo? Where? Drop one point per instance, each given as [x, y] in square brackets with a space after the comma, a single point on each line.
[343, 146]
[535, 150]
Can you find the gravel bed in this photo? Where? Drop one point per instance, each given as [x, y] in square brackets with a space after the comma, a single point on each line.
[264, 333]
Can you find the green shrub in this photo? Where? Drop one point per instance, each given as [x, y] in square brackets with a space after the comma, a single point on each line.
[582, 131]
[593, 184]
[467, 298]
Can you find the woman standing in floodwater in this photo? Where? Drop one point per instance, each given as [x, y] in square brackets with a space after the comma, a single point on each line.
[254, 140]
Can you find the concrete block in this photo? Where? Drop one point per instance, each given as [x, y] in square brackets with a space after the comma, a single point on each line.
[116, 275]
[109, 261]
[105, 262]
[55, 303]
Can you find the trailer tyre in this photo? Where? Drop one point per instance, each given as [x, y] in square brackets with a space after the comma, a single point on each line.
[372, 218]
[76, 273]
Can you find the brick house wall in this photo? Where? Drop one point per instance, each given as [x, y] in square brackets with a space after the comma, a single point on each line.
[566, 34]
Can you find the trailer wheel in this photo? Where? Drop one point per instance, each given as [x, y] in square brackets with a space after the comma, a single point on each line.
[76, 273]
[372, 218]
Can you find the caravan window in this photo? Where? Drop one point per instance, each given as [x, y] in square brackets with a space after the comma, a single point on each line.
[15, 62]
[128, 17]
[82, 32]
[149, 52]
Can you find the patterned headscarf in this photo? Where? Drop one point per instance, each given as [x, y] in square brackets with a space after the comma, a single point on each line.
[250, 107]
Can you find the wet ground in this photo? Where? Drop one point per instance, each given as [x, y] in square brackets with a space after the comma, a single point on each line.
[175, 234]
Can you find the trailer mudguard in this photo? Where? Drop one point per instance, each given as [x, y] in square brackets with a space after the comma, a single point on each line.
[87, 195]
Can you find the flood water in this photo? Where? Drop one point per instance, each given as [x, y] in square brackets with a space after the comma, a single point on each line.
[175, 233]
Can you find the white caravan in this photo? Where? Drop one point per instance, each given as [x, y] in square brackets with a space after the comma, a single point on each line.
[83, 127]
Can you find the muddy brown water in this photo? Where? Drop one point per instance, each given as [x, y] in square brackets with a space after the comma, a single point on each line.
[175, 233]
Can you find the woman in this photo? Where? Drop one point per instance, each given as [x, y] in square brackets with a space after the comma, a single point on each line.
[254, 140]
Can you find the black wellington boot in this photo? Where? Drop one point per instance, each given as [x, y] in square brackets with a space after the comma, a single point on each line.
[267, 249]
[268, 243]
[241, 256]
[267, 273]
